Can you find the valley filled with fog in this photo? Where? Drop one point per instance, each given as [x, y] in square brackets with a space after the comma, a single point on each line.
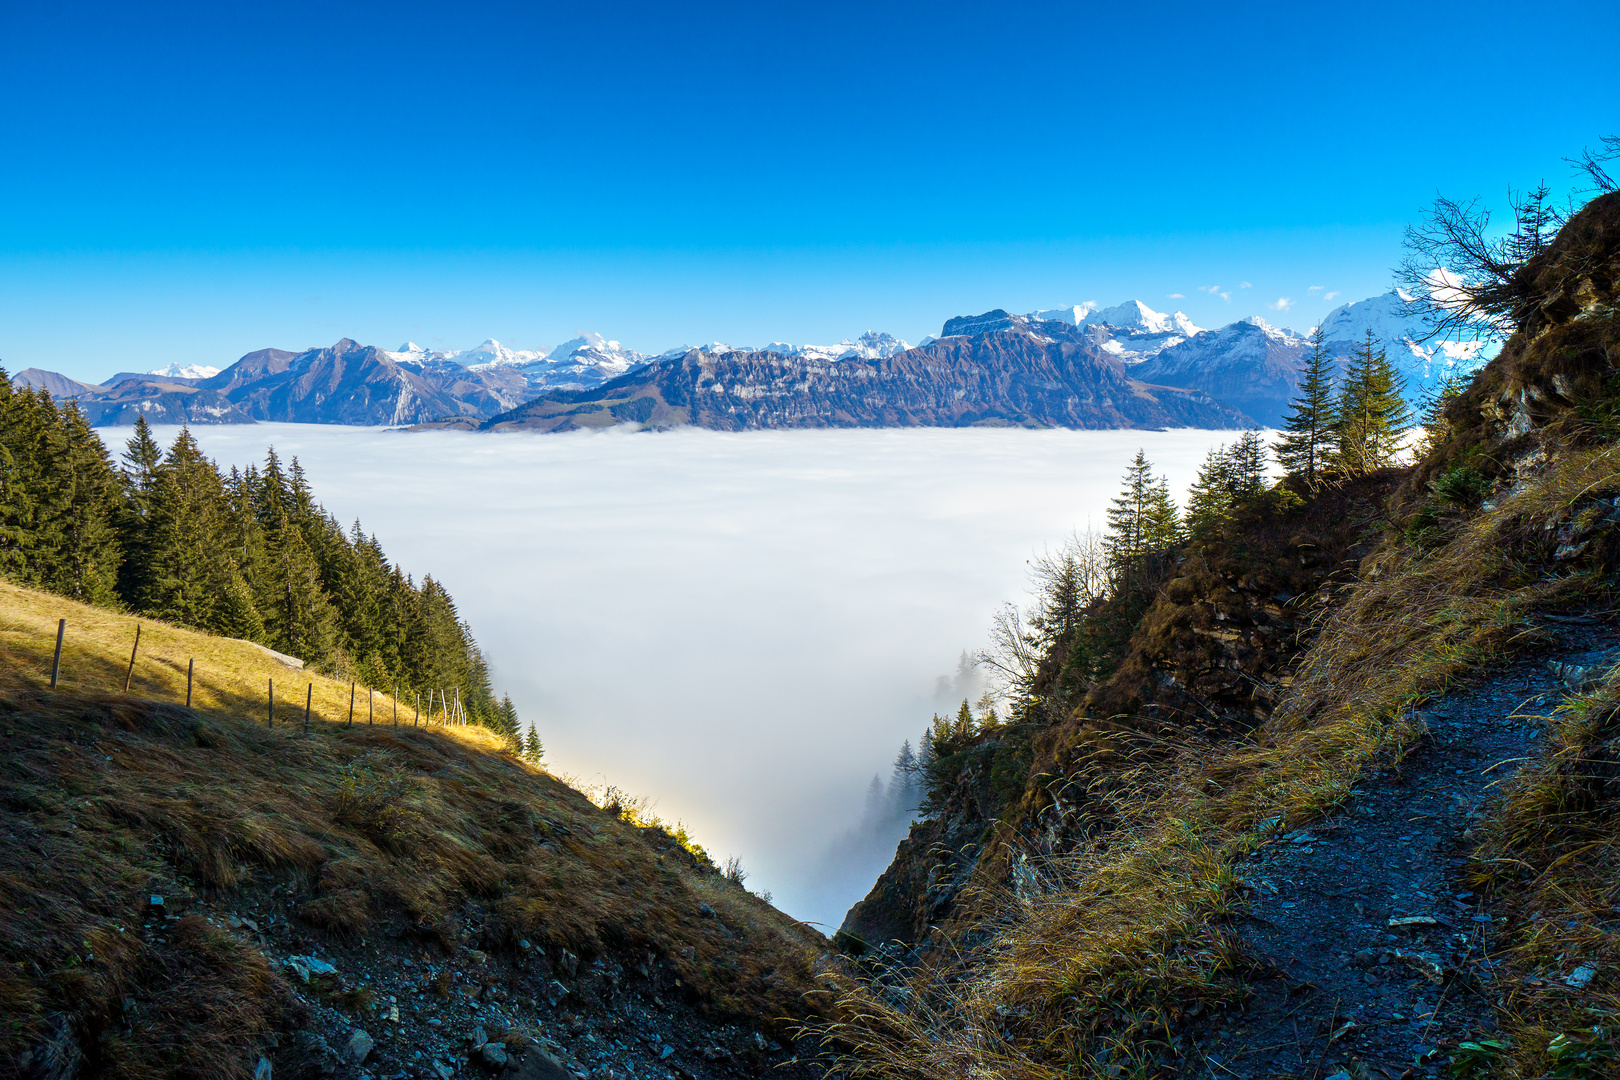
[741, 627]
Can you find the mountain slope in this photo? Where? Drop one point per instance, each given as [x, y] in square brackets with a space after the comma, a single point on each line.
[350, 383]
[1424, 363]
[161, 400]
[1248, 364]
[1010, 376]
[1330, 789]
[372, 895]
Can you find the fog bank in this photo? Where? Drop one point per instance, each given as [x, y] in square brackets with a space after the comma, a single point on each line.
[743, 627]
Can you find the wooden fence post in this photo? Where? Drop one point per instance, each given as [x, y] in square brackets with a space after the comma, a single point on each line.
[309, 698]
[371, 697]
[130, 674]
[270, 716]
[351, 704]
[56, 662]
[396, 704]
[190, 665]
[416, 714]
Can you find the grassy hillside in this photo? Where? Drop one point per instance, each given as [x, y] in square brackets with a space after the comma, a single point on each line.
[426, 845]
[231, 678]
[1080, 902]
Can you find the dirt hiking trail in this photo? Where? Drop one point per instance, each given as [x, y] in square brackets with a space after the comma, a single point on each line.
[1374, 957]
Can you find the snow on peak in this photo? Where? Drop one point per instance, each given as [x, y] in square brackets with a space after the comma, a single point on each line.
[186, 371]
[490, 351]
[872, 345]
[1131, 331]
[1074, 315]
[1131, 315]
[1404, 332]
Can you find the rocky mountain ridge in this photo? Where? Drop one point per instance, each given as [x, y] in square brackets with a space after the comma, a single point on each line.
[1249, 366]
[1006, 372]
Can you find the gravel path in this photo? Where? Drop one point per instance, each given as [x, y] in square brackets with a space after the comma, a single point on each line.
[1379, 958]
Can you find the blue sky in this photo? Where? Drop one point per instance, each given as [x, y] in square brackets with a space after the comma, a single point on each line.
[190, 182]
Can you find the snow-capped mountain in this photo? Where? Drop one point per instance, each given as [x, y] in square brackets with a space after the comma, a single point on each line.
[1401, 330]
[588, 360]
[872, 345]
[1131, 331]
[1249, 364]
[186, 371]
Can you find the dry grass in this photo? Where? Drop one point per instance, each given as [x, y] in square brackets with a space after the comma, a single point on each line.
[1092, 965]
[1551, 862]
[231, 677]
[437, 833]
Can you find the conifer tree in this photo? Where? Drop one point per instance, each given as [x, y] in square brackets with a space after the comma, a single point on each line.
[88, 499]
[298, 617]
[14, 509]
[963, 725]
[1141, 519]
[1209, 501]
[183, 555]
[1306, 447]
[1372, 415]
[533, 749]
[1230, 478]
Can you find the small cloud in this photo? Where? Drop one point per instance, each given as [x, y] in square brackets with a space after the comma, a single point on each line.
[1174, 296]
[1282, 304]
[1314, 288]
[1331, 295]
[1244, 285]
[1216, 289]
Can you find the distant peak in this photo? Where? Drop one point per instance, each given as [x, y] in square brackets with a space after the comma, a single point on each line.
[1132, 315]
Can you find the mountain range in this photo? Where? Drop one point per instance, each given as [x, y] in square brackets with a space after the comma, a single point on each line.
[1078, 366]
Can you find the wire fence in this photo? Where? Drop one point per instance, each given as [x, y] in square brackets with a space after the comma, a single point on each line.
[444, 704]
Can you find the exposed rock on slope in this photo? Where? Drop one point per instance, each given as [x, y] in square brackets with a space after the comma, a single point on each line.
[995, 369]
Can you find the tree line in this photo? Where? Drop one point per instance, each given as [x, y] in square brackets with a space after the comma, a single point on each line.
[245, 554]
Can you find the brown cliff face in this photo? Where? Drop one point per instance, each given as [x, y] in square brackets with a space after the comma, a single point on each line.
[1004, 378]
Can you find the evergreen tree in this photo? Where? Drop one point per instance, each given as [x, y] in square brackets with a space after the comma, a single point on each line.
[184, 560]
[1306, 447]
[298, 618]
[533, 749]
[142, 456]
[1371, 413]
[1230, 478]
[962, 727]
[1435, 425]
[1141, 519]
[17, 504]
[88, 499]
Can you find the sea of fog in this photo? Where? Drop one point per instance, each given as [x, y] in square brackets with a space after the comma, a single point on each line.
[741, 627]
